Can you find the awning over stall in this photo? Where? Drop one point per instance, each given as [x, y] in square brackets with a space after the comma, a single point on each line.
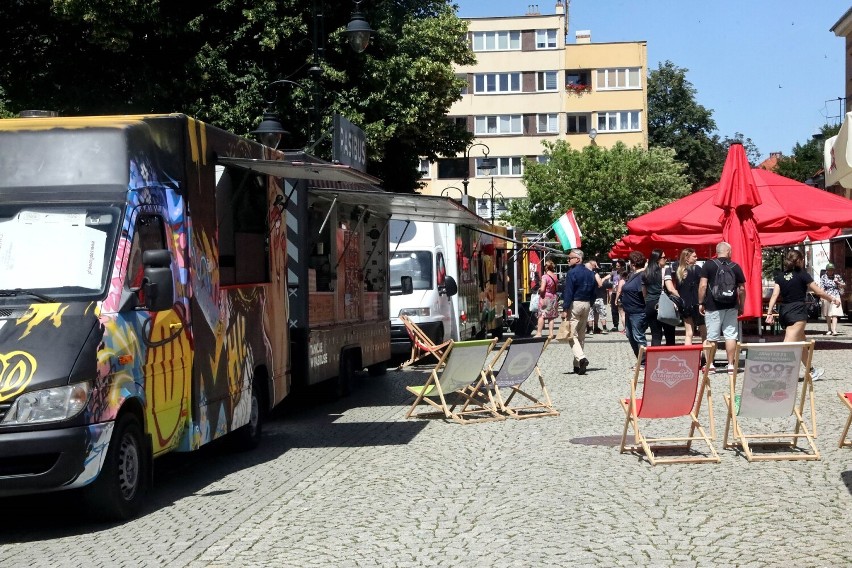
[301, 170]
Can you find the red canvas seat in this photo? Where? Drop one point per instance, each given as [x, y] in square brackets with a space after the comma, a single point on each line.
[673, 386]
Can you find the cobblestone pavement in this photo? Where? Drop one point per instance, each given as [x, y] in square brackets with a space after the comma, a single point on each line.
[352, 483]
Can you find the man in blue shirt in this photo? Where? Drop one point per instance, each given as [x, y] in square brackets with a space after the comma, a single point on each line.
[577, 298]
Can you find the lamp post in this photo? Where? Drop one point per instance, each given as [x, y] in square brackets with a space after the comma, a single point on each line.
[485, 167]
[444, 191]
[492, 194]
[593, 133]
[358, 32]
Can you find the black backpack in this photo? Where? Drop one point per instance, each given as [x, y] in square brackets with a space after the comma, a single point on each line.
[724, 289]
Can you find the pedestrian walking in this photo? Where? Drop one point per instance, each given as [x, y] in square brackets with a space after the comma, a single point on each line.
[721, 297]
[618, 269]
[657, 277]
[548, 302]
[835, 287]
[632, 297]
[791, 286]
[687, 277]
[577, 296]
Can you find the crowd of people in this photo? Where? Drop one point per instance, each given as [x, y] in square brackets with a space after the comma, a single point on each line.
[709, 298]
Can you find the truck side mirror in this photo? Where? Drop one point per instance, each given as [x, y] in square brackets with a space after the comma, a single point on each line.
[157, 284]
[451, 288]
[407, 285]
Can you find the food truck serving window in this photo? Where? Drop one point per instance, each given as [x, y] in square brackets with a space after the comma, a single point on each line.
[62, 251]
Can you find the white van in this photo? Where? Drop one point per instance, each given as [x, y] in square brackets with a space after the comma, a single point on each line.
[426, 253]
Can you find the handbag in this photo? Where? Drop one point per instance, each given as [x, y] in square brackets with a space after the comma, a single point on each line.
[534, 301]
[667, 311]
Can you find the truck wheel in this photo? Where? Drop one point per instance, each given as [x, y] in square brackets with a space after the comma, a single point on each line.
[248, 437]
[119, 491]
[346, 376]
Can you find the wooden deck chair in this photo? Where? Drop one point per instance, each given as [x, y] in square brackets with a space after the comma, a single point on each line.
[767, 389]
[460, 373]
[846, 397]
[674, 386]
[422, 345]
[519, 362]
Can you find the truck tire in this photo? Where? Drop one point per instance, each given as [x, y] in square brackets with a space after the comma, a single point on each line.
[119, 491]
[248, 437]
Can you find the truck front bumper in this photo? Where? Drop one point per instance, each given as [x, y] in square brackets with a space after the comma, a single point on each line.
[42, 460]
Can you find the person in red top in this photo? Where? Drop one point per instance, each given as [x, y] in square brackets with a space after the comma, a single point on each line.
[548, 302]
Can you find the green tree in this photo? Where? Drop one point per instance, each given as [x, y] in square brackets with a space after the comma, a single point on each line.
[677, 121]
[806, 161]
[604, 187]
[214, 59]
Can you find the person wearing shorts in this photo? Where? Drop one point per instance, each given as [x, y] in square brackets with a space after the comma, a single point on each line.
[720, 318]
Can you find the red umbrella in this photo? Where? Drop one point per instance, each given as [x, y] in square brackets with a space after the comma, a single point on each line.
[738, 197]
[787, 207]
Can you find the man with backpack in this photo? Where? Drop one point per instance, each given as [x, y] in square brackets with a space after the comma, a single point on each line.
[721, 298]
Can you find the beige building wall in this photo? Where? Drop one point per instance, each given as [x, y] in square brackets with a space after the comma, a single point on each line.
[533, 64]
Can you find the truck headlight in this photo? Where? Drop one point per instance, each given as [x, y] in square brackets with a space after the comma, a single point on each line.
[422, 312]
[49, 405]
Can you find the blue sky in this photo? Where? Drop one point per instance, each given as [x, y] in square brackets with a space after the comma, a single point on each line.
[771, 70]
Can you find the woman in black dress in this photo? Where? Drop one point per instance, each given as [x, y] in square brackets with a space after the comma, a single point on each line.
[655, 274]
[687, 276]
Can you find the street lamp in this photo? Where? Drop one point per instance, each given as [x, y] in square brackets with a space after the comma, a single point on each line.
[444, 191]
[485, 167]
[270, 131]
[492, 194]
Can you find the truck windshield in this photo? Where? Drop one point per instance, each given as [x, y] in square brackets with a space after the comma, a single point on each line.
[57, 251]
[417, 264]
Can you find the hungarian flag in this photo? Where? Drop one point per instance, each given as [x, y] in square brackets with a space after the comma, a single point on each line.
[567, 231]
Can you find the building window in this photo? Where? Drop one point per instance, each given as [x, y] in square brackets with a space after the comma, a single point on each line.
[451, 168]
[498, 124]
[463, 77]
[546, 81]
[548, 123]
[512, 166]
[545, 39]
[621, 78]
[424, 168]
[578, 78]
[618, 121]
[578, 123]
[542, 159]
[497, 41]
[497, 83]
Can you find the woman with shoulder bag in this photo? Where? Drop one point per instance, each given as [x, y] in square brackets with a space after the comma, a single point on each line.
[687, 276]
[548, 303]
[653, 280]
[631, 294]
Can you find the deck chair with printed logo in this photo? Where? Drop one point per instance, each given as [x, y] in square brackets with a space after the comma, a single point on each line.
[518, 362]
[764, 396]
[846, 398]
[674, 386]
[422, 346]
[458, 381]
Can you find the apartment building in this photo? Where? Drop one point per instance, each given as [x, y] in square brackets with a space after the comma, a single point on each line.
[527, 86]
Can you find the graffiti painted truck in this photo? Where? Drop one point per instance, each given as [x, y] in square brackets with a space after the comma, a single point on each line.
[144, 297]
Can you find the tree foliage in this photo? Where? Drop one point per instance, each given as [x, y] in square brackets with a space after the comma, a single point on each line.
[807, 160]
[604, 187]
[215, 59]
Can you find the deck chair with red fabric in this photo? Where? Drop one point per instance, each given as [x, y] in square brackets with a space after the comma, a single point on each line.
[674, 386]
[422, 346]
[846, 398]
[518, 362]
[457, 385]
[762, 398]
